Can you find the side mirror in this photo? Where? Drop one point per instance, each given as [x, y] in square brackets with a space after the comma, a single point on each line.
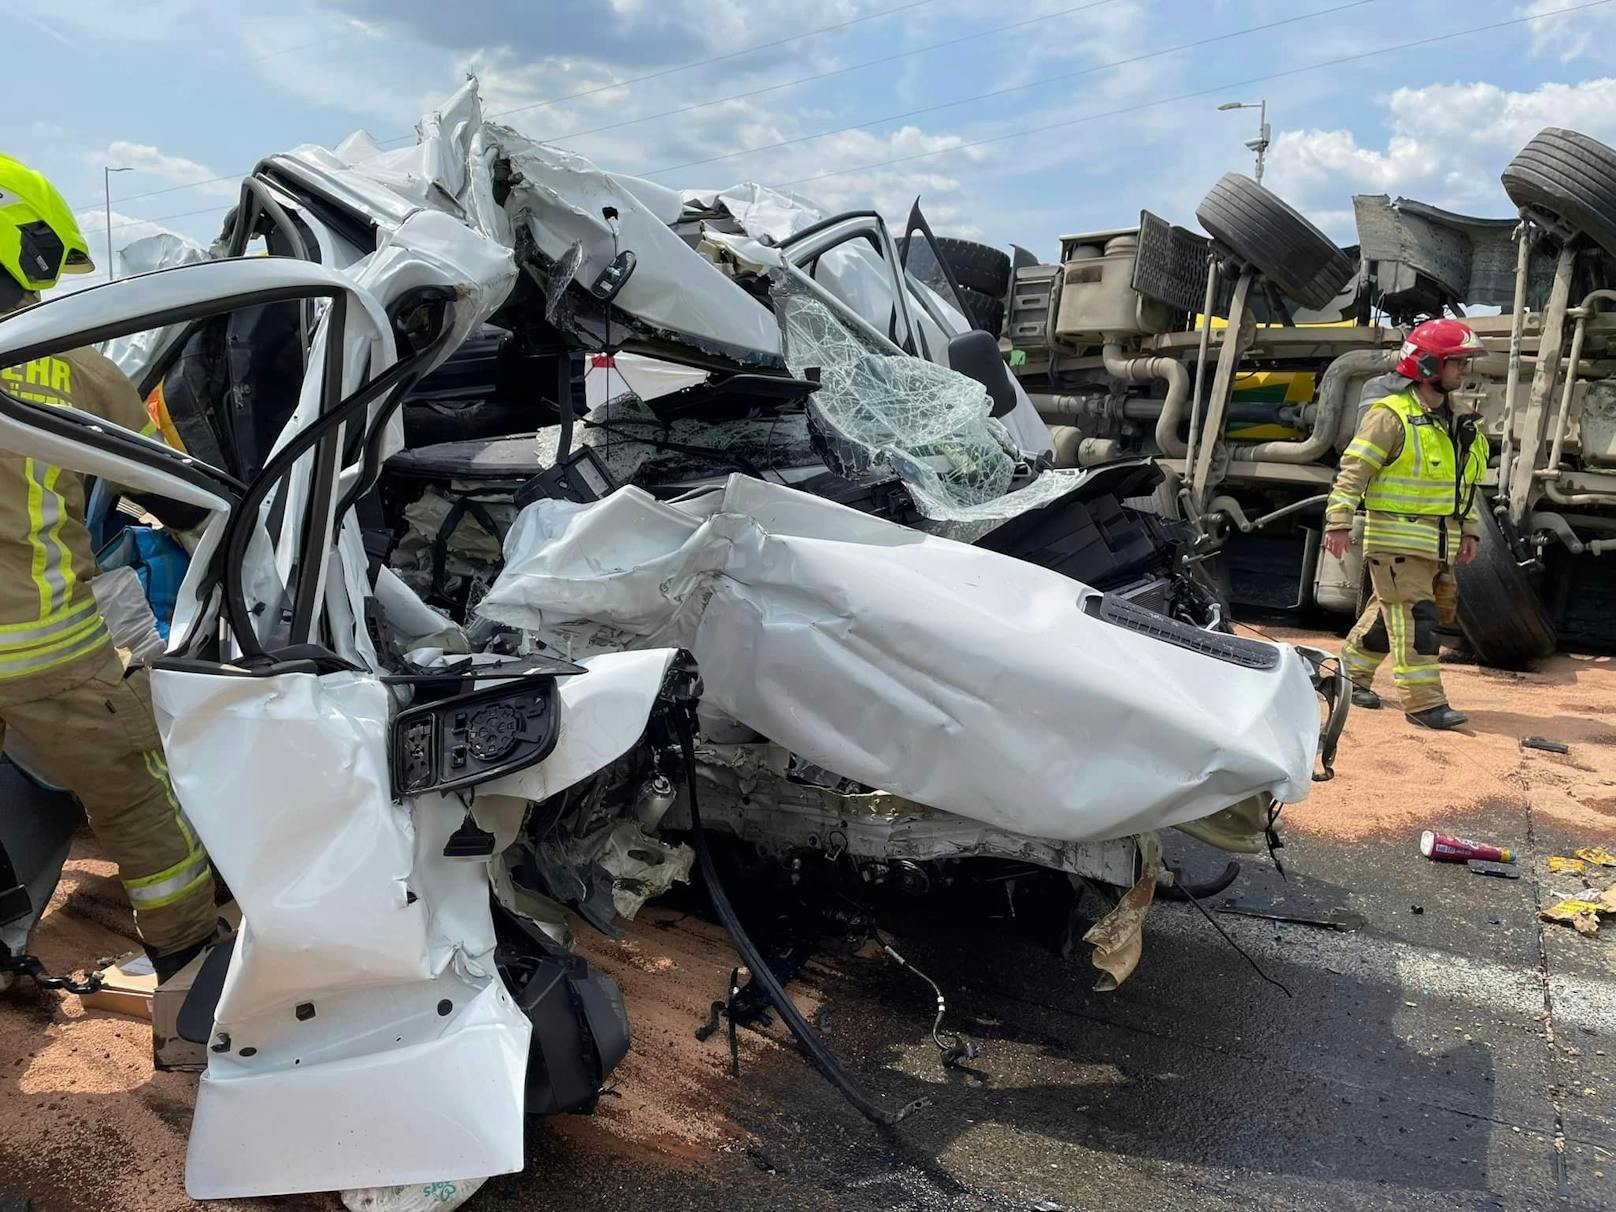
[470, 738]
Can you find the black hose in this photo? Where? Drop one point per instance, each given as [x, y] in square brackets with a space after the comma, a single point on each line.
[1239, 950]
[799, 1026]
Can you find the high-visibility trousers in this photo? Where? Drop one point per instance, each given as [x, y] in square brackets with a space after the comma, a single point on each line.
[91, 726]
[1412, 595]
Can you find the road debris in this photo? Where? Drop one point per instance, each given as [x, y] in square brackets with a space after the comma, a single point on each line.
[1583, 915]
[126, 986]
[1335, 918]
[1543, 743]
[1560, 865]
[413, 1197]
[1506, 871]
[1445, 848]
[1597, 855]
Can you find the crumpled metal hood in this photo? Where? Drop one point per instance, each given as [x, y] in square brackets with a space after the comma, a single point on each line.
[956, 677]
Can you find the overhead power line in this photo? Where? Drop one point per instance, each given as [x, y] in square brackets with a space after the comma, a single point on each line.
[840, 71]
[1122, 110]
[1226, 86]
[666, 71]
[1015, 88]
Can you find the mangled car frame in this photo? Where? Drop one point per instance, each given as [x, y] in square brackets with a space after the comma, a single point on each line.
[465, 639]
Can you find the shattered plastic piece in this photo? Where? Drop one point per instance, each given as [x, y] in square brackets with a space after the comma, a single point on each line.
[1598, 856]
[413, 1197]
[1584, 915]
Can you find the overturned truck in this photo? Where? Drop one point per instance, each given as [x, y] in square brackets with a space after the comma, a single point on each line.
[1248, 412]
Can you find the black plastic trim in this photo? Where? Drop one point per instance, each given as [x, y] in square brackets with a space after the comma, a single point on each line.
[1232, 649]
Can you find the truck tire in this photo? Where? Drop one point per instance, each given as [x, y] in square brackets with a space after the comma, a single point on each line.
[1262, 230]
[980, 267]
[1569, 178]
[982, 310]
[1500, 610]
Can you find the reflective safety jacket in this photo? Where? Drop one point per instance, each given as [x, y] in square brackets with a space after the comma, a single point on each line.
[1420, 492]
[48, 616]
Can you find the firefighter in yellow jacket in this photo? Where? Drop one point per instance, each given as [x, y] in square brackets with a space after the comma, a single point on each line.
[1415, 464]
[63, 690]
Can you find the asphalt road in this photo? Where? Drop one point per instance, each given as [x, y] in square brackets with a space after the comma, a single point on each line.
[1460, 1055]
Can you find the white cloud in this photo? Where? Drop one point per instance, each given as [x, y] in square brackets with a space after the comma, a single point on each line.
[1446, 144]
[1575, 35]
[727, 27]
[152, 162]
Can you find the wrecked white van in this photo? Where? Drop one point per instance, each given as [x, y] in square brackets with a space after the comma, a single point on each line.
[905, 641]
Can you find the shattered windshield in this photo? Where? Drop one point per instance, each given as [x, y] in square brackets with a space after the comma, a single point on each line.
[928, 424]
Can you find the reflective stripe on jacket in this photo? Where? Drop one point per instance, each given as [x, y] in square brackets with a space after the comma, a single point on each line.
[1402, 465]
[48, 615]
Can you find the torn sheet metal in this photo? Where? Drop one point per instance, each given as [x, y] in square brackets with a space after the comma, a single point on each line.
[756, 209]
[363, 1037]
[560, 196]
[956, 677]
[146, 255]
[447, 169]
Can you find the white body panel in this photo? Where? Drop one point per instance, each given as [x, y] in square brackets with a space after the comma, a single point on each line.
[957, 677]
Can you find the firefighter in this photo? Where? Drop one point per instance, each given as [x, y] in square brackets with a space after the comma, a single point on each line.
[1415, 463]
[63, 689]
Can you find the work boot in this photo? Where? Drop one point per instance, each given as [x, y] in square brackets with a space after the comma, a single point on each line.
[167, 963]
[1364, 697]
[1440, 717]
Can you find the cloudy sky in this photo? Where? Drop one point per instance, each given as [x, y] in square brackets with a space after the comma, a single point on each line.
[1012, 122]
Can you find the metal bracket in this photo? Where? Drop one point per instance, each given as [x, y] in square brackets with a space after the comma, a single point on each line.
[30, 966]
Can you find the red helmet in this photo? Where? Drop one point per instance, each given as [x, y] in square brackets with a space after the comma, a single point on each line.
[1433, 343]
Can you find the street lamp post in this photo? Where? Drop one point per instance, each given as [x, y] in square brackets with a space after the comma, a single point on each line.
[1260, 143]
[106, 194]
